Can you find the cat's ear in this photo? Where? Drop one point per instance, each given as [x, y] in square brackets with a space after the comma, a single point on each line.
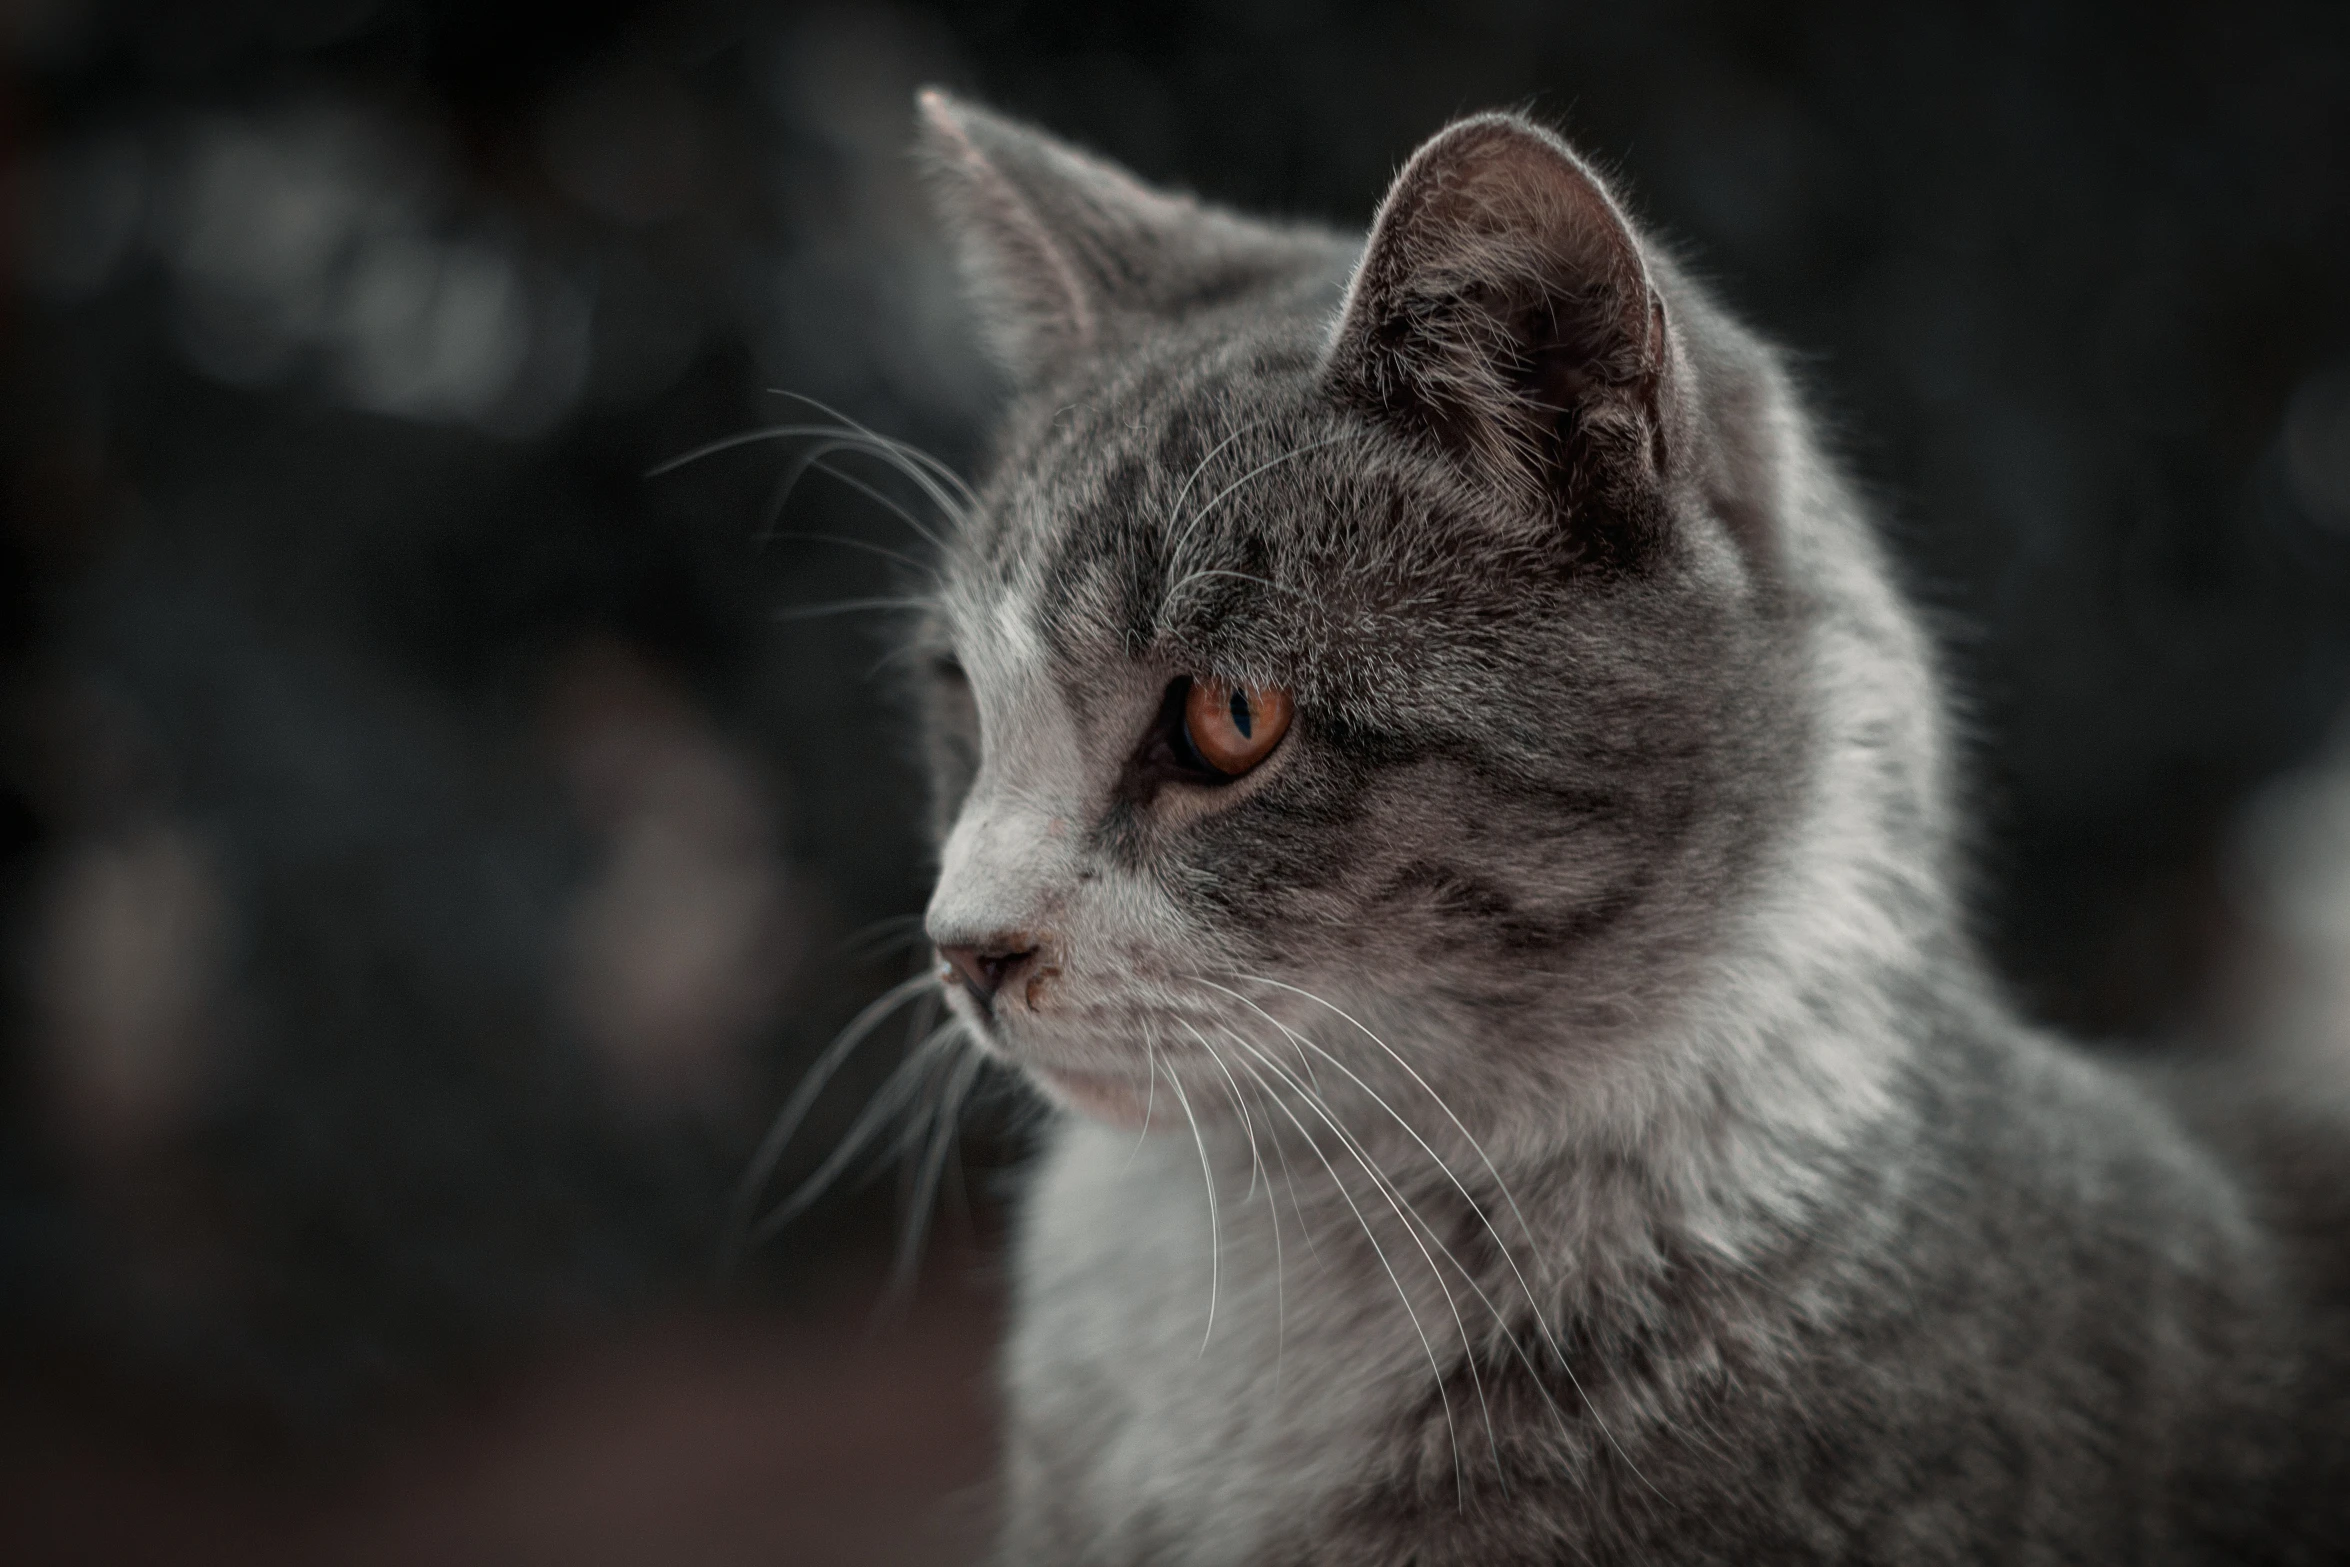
[1503, 307]
[1066, 252]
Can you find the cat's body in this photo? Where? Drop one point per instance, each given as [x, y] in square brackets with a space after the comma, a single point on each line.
[1545, 1110]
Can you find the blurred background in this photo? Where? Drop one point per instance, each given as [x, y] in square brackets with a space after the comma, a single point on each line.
[431, 849]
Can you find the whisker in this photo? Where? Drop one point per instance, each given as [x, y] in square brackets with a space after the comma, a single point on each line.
[864, 439]
[1413, 1222]
[796, 1108]
[906, 650]
[905, 448]
[850, 607]
[882, 935]
[1237, 576]
[1304, 1042]
[1150, 1099]
[1435, 1368]
[839, 542]
[919, 467]
[1232, 1091]
[887, 1100]
[727, 443]
[1174, 592]
[1296, 1040]
[1175, 511]
[1498, 1183]
[946, 1115]
[1289, 1178]
[1191, 527]
[1541, 1317]
[1215, 1230]
[1272, 1208]
[812, 460]
[1468, 1276]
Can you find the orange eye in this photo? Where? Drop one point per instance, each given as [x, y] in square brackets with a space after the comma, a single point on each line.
[1234, 727]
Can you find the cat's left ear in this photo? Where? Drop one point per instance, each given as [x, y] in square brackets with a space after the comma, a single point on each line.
[1067, 254]
[1504, 309]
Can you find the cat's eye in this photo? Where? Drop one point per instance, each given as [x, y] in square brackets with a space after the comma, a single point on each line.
[1233, 728]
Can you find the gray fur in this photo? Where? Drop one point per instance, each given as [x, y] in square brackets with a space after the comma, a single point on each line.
[1597, 914]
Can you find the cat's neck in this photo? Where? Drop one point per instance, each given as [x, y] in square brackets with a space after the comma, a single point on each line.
[1724, 1123]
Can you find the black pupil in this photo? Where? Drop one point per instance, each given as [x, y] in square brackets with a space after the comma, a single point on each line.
[1240, 715]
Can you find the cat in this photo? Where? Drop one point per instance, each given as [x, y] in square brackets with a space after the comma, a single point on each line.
[1438, 788]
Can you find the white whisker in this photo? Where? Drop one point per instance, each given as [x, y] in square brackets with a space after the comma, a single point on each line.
[887, 1100]
[1175, 512]
[1289, 1178]
[849, 607]
[882, 935]
[1232, 1091]
[1435, 1367]
[813, 459]
[1150, 1053]
[1393, 1055]
[874, 493]
[1541, 1317]
[1413, 1223]
[1192, 526]
[1468, 1276]
[803, 1099]
[904, 459]
[1215, 1229]
[905, 448]
[946, 1112]
[1272, 1208]
[883, 551]
[1204, 572]
[918, 467]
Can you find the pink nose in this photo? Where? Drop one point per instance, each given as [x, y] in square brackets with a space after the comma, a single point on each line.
[985, 967]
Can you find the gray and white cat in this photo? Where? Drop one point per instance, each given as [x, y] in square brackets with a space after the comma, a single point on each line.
[1438, 786]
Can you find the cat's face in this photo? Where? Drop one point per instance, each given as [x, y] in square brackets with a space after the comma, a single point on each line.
[1284, 705]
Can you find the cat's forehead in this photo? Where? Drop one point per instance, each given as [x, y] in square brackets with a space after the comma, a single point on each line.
[1127, 464]
[1108, 498]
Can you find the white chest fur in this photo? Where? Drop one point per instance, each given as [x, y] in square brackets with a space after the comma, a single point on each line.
[1141, 1431]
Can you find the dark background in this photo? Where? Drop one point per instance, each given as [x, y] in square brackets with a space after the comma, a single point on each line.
[427, 859]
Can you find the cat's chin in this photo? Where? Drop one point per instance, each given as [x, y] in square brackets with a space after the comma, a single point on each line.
[1123, 1102]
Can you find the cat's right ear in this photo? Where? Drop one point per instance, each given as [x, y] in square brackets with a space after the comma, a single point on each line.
[1503, 309]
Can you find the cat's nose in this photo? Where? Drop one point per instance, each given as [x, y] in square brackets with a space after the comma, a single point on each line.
[988, 965]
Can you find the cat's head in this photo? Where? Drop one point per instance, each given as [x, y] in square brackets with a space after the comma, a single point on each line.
[1352, 639]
